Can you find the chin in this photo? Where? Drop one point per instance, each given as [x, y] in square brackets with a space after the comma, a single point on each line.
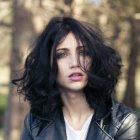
[76, 87]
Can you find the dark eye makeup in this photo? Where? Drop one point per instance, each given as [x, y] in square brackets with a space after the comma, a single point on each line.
[61, 55]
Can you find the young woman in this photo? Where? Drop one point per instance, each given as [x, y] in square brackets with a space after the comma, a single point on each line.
[69, 80]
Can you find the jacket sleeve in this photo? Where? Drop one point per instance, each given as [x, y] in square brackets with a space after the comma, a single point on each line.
[130, 128]
[26, 131]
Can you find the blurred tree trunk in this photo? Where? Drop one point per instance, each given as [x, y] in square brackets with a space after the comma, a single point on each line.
[22, 30]
[130, 93]
[27, 23]
[29, 17]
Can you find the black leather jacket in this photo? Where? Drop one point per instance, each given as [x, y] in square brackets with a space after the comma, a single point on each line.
[117, 123]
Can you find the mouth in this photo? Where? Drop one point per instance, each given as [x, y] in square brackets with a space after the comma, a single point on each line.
[76, 76]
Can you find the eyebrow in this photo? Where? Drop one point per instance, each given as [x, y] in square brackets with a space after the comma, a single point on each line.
[66, 49]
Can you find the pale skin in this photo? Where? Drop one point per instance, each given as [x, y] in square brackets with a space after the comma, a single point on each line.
[76, 109]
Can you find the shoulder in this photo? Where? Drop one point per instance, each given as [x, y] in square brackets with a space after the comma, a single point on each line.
[31, 121]
[34, 124]
[126, 120]
[121, 112]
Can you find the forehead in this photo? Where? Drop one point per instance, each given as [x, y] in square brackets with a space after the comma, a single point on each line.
[69, 42]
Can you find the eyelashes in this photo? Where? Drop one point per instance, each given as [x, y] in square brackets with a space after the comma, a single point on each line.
[61, 55]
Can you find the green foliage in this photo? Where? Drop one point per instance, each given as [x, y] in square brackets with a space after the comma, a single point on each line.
[138, 109]
[3, 102]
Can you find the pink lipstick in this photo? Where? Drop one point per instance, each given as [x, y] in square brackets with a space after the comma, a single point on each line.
[76, 76]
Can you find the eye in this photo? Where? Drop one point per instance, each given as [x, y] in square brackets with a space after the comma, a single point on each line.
[61, 55]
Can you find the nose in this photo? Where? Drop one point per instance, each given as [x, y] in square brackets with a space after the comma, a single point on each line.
[74, 62]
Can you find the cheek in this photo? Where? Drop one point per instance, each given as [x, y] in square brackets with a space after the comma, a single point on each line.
[61, 75]
[62, 65]
[61, 69]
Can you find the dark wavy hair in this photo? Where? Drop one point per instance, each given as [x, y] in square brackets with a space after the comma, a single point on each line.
[38, 82]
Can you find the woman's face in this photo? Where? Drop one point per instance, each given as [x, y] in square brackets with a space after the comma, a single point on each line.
[70, 77]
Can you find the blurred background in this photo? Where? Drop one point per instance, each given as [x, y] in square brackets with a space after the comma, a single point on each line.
[22, 20]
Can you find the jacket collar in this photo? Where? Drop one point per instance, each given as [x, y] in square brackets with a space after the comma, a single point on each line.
[58, 130]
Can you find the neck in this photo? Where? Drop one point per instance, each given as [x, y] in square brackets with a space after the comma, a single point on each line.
[75, 105]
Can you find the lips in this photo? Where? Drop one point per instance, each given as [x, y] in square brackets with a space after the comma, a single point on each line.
[76, 76]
